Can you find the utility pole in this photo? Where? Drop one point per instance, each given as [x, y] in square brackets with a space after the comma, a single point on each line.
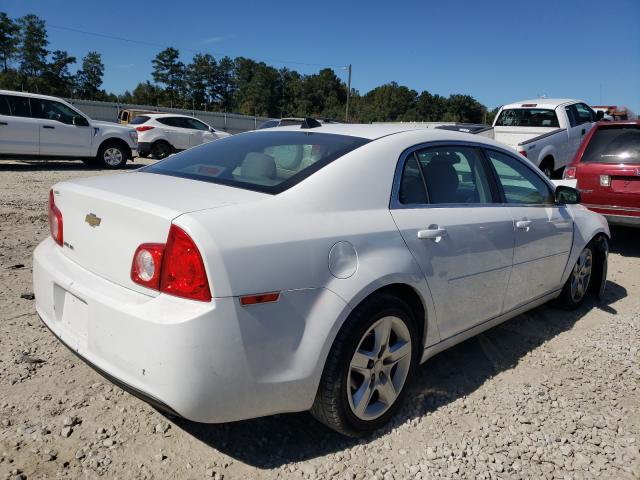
[346, 115]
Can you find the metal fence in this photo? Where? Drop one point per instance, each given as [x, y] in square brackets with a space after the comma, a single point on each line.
[228, 122]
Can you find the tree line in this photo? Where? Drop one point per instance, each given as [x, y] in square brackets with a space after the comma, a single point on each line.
[239, 85]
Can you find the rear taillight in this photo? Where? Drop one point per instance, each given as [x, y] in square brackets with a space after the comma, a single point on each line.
[144, 128]
[569, 173]
[183, 272]
[522, 152]
[175, 268]
[55, 220]
[147, 264]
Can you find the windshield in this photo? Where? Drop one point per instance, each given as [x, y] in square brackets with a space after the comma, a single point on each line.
[527, 117]
[614, 145]
[269, 162]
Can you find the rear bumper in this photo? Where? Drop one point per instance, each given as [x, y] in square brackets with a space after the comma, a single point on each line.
[205, 361]
[624, 216]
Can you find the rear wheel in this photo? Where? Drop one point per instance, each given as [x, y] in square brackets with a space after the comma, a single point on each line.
[547, 167]
[112, 155]
[160, 150]
[143, 154]
[369, 365]
[575, 289]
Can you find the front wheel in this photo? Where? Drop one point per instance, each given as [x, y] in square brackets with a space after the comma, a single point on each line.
[112, 155]
[369, 365]
[575, 289]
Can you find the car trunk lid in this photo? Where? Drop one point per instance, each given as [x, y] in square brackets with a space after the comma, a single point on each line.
[106, 218]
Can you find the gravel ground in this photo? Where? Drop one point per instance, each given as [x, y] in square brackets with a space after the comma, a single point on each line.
[549, 394]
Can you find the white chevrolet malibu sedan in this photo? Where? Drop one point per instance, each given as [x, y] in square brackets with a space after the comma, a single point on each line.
[305, 268]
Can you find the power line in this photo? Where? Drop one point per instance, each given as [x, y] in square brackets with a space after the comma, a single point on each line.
[158, 45]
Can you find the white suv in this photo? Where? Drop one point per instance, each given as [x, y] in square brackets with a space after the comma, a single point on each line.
[161, 134]
[38, 126]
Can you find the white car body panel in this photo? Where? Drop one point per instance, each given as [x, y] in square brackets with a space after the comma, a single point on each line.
[46, 137]
[220, 361]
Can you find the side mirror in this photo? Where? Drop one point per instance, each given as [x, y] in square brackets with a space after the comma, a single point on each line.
[567, 195]
[212, 130]
[599, 115]
[80, 122]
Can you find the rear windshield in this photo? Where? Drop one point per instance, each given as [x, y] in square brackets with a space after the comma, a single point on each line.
[614, 145]
[527, 117]
[269, 162]
[140, 119]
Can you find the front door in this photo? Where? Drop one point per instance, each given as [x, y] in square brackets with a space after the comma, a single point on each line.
[462, 239]
[543, 233]
[58, 133]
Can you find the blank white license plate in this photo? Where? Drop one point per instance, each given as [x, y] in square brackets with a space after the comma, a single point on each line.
[75, 316]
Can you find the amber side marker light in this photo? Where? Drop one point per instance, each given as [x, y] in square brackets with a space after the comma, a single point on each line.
[259, 298]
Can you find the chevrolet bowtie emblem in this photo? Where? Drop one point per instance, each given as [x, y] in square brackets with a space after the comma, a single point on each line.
[92, 220]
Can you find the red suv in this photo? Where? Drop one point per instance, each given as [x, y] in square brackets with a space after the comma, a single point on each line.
[607, 167]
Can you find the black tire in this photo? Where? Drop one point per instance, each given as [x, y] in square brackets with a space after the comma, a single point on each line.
[577, 286]
[332, 405]
[143, 154]
[160, 149]
[112, 155]
[547, 167]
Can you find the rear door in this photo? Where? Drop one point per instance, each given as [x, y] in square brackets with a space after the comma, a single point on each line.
[543, 230]
[18, 131]
[445, 210]
[58, 133]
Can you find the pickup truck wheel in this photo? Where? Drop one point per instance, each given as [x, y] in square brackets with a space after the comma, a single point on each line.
[369, 365]
[160, 150]
[112, 155]
[547, 167]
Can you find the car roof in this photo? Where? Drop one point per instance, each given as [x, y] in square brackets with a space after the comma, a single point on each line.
[164, 115]
[376, 131]
[32, 95]
[543, 102]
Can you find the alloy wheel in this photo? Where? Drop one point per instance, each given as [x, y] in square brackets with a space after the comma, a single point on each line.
[379, 368]
[580, 275]
[112, 156]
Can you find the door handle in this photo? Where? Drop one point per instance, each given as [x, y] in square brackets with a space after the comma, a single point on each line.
[523, 225]
[4, 123]
[584, 130]
[433, 233]
[48, 126]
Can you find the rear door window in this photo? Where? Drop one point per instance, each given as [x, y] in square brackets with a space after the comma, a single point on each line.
[269, 162]
[614, 145]
[19, 106]
[139, 120]
[4, 105]
[451, 175]
[171, 122]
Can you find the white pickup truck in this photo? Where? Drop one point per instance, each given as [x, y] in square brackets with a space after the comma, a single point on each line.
[546, 131]
[38, 126]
